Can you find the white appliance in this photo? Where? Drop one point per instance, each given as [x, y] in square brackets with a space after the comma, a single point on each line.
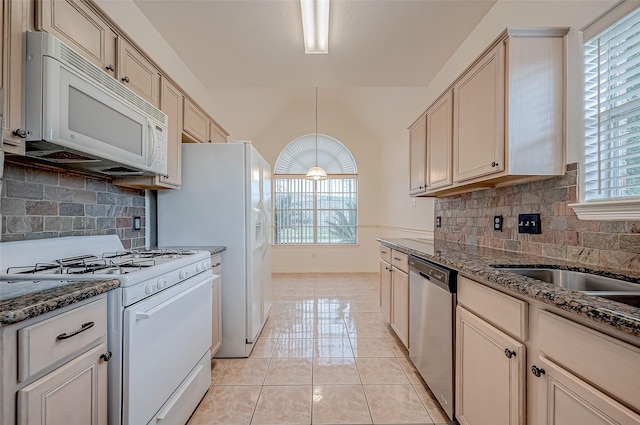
[225, 199]
[78, 116]
[159, 319]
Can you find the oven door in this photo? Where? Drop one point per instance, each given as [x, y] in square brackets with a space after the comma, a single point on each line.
[164, 338]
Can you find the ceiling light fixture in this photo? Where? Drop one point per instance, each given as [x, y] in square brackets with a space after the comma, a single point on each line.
[315, 26]
[316, 172]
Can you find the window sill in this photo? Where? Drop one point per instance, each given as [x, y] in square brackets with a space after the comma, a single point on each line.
[608, 210]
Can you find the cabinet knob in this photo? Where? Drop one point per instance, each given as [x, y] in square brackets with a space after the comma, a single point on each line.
[537, 371]
[509, 353]
[106, 356]
[125, 79]
[494, 164]
[111, 68]
[21, 132]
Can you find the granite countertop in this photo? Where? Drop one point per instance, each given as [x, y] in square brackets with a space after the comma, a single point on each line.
[476, 263]
[28, 299]
[212, 249]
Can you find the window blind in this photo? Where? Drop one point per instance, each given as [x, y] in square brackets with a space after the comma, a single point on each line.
[612, 111]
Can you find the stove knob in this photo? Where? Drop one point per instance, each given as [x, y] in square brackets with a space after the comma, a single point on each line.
[149, 289]
[162, 283]
[183, 274]
[199, 268]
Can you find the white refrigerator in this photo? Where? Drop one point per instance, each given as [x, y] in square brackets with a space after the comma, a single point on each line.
[225, 199]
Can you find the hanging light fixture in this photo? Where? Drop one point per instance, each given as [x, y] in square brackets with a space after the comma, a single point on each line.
[316, 172]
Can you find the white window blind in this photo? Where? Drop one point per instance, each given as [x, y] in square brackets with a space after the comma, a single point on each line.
[612, 112]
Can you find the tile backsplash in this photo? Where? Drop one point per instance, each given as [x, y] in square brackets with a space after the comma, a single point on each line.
[38, 203]
[468, 218]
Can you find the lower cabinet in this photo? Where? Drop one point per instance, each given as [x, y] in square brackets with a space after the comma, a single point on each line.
[400, 299]
[567, 400]
[74, 394]
[385, 289]
[216, 320]
[490, 373]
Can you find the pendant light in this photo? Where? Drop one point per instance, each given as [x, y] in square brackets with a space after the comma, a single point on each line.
[316, 172]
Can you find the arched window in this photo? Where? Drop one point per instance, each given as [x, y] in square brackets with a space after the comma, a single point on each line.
[315, 212]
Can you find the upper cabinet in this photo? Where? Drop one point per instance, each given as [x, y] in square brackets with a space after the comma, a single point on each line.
[198, 127]
[16, 19]
[81, 28]
[138, 73]
[418, 156]
[502, 120]
[217, 134]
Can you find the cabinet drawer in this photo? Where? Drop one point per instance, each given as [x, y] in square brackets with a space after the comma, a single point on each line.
[45, 343]
[501, 310]
[610, 364]
[400, 260]
[385, 253]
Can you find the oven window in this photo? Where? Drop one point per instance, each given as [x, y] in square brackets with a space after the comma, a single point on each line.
[94, 119]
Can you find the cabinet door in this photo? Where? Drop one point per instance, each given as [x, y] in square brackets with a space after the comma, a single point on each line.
[490, 373]
[81, 28]
[216, 324]
[400, 305]
[478, 118]
[196, 123]
[217, 133]
[385, 289]
[171, 104]
[15, 16]
[440, 142]
[565, 399]
[418, 156]
[73, 394]
[137, 73]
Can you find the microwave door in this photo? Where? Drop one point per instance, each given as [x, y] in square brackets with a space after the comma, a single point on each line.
[80, 115]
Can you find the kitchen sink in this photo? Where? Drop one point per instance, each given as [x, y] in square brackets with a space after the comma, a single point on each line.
[590, 284]
[577, 281]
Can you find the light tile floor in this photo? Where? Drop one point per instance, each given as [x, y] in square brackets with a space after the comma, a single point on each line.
[325, 356]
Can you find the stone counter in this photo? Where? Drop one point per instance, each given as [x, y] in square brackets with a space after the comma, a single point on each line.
[477, 263]
[212, 249]
[57, 295]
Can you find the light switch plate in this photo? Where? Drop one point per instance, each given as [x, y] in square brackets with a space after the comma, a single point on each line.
[529, 223]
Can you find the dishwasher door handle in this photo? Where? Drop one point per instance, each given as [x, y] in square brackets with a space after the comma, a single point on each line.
[425, 276]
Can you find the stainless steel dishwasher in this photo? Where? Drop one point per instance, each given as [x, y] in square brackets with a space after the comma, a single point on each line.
[432, 300]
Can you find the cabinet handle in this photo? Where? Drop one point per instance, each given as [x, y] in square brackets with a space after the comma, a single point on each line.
[216, 265]
[537, 371]
[22, 133]
[106, 356]
[509, 353]
[110, 68]
[125, 79]
[83, 328]
[494, 164]
[397, 259]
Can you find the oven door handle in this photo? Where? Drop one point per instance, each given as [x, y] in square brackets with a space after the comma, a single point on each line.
[142, 315]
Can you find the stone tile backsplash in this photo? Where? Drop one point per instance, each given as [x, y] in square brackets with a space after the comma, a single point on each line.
[468, 218]
[41, 203]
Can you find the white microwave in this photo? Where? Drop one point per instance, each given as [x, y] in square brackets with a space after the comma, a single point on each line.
[77, 116]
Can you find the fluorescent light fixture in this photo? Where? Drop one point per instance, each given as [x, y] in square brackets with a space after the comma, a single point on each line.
[315, 26]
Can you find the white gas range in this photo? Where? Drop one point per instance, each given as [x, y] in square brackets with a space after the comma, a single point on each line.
[159, 318]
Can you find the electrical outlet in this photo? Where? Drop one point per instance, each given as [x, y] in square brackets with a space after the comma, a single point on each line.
[137, 222]
[497, 223]
[438, 221]
[529, 223]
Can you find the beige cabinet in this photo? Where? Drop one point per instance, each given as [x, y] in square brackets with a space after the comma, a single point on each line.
[490, 373]
[400, 296]
[418, 156]
[217, 134]
[137, 73]
[78, 25]
[507, 115]
[385, 282]
[15, 21]
[74, 394]
[171, 103]
[478, 135]
[216, 323]
[54, 367]
[196, 123]
[439, 142]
